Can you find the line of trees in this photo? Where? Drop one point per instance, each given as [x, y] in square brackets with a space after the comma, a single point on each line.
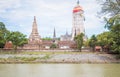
[104, 40]
[17, 38]
[110, 39]
[112, 9]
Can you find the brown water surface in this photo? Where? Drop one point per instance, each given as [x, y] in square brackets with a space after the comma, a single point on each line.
[59, 70]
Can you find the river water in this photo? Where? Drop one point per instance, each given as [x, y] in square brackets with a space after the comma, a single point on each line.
[59, 70]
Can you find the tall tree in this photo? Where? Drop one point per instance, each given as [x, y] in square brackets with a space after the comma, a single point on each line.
[93, 42]
[3, 31]
[79, 41]
[115, 31]
[53, 46]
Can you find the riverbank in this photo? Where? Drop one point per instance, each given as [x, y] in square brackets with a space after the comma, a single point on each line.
[57, 57]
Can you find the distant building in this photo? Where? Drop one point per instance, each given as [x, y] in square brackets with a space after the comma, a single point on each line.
[65, 37]
[34, 41]
[55, 40]
[46, 44]
[67, 44]
[34, 36]
[77, 26]
[78, 21]
[66, 41]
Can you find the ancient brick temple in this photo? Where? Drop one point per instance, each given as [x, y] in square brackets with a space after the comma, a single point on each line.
[8, 45]
[66, 41]
[34, 41]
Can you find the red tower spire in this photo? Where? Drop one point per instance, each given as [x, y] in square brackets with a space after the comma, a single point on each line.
[78, 8]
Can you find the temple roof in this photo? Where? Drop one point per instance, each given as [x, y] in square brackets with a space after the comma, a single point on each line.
[77, 9]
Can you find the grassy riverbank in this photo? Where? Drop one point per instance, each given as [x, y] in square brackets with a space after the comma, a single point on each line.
[56, 57]
[47, 52]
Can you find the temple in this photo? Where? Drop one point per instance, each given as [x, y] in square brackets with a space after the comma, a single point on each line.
[66, 41]
[78, 21]
[34, 41]
[34, 36]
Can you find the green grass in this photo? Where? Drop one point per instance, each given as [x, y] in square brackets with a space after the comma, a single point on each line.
[43, 52]
[19, 59]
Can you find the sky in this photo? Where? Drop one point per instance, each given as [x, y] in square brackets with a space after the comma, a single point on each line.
[18, 15]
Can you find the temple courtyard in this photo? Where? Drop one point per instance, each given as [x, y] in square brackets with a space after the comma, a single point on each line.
[57, 57]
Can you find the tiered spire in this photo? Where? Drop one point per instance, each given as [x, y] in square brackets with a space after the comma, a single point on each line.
[34, 18]
[34, 27]
[66, 32]
[54, 34]
[78, 2]
[34, 37]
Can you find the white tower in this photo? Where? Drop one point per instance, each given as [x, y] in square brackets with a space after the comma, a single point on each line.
[78, 21]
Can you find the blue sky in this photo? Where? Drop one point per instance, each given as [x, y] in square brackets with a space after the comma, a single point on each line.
[18, 16]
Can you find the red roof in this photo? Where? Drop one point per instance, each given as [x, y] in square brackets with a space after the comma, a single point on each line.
[77, 9]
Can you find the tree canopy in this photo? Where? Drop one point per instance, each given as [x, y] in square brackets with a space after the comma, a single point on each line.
[111, 8]
[79, 41]
[17, 38]
[104, 40]
[92, 42]
[3, 33]
[115, 31]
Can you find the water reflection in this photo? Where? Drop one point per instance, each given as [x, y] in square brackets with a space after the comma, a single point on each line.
[59, 70]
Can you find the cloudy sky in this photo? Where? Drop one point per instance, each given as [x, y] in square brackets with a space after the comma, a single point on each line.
[18, 15]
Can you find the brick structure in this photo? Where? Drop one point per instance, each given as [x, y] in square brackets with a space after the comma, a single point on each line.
[8, 45]
[34, 41]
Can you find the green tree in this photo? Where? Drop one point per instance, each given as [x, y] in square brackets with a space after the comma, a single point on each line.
[86, 43]
[93, 42]
[2, 26]
[112, 21]
[112, 8]
[79, 41]
[115, 31]
[104, 40]
[3, 32]
[18, 39]
[47, 38]
[53, 46]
